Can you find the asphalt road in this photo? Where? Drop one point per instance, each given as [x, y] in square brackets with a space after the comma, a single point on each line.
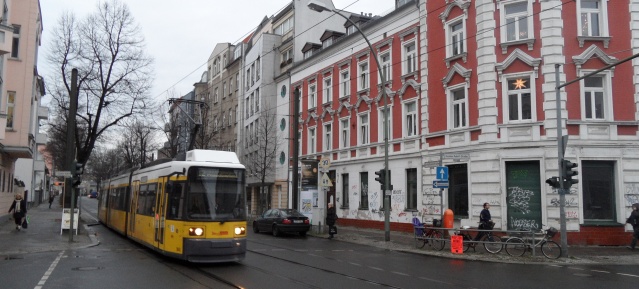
[289, 262]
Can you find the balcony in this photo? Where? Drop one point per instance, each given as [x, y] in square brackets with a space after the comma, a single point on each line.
[6, 39]
[43, 113]
[41, 138]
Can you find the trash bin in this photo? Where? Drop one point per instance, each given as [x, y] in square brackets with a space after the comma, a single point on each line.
[448, 218]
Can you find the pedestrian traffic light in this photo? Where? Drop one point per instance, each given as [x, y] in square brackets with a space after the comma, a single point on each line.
[381, 178]
[568, 167]
[553, 182]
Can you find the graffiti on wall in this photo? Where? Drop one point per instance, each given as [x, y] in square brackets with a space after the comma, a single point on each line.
[524, 224]
[519, 199]
[570, 202]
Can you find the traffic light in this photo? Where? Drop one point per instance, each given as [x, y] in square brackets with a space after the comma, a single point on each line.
[569, 173]
[553, 182]
[78, 170]
[381, 178]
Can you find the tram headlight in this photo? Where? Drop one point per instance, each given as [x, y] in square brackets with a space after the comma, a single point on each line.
[196, 231]
[240, 231]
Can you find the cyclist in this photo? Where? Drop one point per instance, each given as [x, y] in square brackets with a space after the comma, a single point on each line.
[484, 222]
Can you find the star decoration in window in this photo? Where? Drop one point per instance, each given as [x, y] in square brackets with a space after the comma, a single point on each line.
[519, 84]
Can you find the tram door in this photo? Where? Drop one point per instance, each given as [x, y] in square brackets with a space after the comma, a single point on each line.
[159, 216]
[133, 210]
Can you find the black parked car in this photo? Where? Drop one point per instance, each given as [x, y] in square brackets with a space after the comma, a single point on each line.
[282, 220]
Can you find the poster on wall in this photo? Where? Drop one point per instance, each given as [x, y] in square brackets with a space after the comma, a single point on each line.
[309, 191]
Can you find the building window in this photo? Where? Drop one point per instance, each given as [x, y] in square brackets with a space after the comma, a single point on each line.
[248, 78]
[595, 97]
[230, 117]
[328, 88]
[257, 69]
[237, 81]
[287, 56]
[215, 124]
[328, 137]
[224, 89]
[363, 76]
[345, 190]
[382, 116]
[311, 140]
[363, 129]
[458, 190]
[410, 57]
[592, 17]
[15, 47]
[246, 108]
[252, 103]
[253, 73]
[345, 87]
[308, 53]
[411, 189]
[11, 102]
[519, 99]
[455, 38]
[257, 99]
[344, 136]
[363, 184]
[599, 192]
[231, 85]
[327, 42]
[312, 96]
[410, 118]
[517, 20]
[286, 26]
[459, 107]
[385, 62]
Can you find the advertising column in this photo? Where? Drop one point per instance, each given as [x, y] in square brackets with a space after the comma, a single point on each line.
[309, 195]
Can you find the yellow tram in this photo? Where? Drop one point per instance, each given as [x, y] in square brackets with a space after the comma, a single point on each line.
[193, 210]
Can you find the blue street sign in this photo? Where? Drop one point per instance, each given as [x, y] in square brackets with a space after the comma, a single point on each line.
[442, 173]
[440, 184]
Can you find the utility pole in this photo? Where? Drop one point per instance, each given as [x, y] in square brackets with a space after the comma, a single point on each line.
[296, 146]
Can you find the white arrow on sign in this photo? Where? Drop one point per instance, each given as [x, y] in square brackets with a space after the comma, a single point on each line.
[441, 174]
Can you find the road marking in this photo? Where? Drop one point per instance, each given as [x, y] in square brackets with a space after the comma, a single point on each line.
[354, 264]
[599, 271]
[375, 268]
[629, 275]
[46, 275]
[399, 273]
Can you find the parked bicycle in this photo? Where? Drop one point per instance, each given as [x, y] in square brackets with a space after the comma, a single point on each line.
[517, 246]
[492, 243]
[433, 237]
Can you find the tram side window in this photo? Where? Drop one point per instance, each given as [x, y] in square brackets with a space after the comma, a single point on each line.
[141, 200]
[174, 211]
[149, 208]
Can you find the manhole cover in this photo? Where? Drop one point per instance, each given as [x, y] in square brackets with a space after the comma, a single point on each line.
[86, 268]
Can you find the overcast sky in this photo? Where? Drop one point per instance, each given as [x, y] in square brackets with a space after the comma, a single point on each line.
[180, 35]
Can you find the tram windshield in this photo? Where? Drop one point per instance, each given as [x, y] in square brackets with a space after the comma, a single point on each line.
[215, 194]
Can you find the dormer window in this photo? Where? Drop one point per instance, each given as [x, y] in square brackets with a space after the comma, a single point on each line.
[329, 37]
[310, 48]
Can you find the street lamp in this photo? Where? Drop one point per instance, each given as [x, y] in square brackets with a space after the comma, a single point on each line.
[321, 7]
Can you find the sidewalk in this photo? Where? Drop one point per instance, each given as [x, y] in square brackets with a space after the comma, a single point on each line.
[43, 233]
[405, 242]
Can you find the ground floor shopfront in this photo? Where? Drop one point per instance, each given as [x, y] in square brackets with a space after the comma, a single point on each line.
[511, 179]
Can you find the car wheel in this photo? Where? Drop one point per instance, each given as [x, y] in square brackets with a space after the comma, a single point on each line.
[303, 234]
[255, 228]
[276, 231]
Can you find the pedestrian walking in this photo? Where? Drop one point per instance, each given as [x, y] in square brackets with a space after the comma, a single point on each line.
[331, 217]
[19, 208]
[51, 198]
[634, 221]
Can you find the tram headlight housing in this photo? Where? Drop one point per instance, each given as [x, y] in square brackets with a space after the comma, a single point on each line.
[196, 231]
[240, 231]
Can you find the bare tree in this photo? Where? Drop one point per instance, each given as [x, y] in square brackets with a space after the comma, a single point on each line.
[114, 73]
[137, 143]
[261, 161]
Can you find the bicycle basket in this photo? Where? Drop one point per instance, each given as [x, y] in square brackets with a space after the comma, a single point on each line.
[551, 232]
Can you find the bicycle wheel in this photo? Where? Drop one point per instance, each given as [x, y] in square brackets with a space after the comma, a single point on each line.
[551, 249]
[516, 246]
[468, 242]
[492, 244]
[421, 240]
[437, 241]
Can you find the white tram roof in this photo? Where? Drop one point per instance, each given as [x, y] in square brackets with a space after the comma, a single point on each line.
[212, 156]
